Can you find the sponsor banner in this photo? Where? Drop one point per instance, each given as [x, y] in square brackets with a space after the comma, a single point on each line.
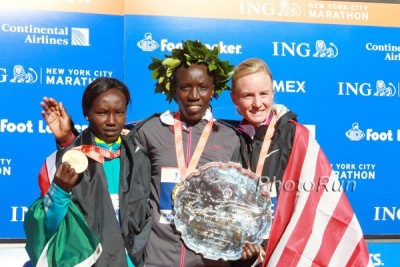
[315, 76]
[115, 7]
[326, 12]
[53, 54]
[384, 253]
[342, 80]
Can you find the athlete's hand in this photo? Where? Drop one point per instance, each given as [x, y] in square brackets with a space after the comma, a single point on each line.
[57, 119]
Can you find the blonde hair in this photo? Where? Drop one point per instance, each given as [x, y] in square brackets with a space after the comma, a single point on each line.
[247, 67]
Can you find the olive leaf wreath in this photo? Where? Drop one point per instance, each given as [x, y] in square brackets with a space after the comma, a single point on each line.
[191, 52]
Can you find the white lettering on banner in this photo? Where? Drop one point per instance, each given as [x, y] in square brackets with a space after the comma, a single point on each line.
[333, 11]
[68, 80]
[224, 48]
[55, 71]
[382, 47]
[289, 86]
[322, 49]
[387, 213]
[44, 128]
[103, 73]
[363, 175]
[79, 72]
[356, 134]
[361, 171]
[18, 213]
[376, 259]
[76, 77]
[285, 8]
[35, 30]
[44, 39]
[301, 49]
[3, 75]
[250, 8]
[5, 161]
[5, 170]
[338, 15]
[6, 126]
[392, 52]
[381, 136]
[382, 88]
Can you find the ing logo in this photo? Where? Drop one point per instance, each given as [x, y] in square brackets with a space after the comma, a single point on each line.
[285, 8]
[80, 37]
[288, 9]
[381, 88]
[23, 76]
[321, 49]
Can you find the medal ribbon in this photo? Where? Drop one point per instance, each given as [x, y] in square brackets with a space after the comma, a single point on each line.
[266, 144]
[97, 153]
[183, 169]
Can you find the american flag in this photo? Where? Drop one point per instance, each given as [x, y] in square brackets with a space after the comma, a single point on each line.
[314, 225]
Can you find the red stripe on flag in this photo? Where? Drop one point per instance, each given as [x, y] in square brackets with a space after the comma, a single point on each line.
[301, 233]
[43, 178]
[360, 256]
[337, 226]
[286, 199]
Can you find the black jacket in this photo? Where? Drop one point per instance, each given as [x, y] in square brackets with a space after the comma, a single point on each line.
[92, 197]
[279, 150]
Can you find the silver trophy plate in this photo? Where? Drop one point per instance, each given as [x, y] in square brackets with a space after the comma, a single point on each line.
[218, 208]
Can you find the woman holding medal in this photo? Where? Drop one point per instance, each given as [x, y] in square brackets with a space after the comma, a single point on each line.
[284, 153]
[95, 210]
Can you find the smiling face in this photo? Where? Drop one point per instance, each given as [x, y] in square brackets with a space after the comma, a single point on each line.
[193, 91]
[253, 95]
[107, 115]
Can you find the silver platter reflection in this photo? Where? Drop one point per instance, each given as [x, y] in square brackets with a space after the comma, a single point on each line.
[218, 208]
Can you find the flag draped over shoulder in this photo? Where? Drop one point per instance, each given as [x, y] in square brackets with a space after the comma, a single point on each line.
[314, 224]
[73, 244]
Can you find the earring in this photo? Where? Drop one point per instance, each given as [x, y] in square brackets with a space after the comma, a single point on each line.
[87, 118]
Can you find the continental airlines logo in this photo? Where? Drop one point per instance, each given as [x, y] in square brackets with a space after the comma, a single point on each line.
[371, 135]
[49, 35]
[389, 51]
[148, 44]
[320, 49]
[380, 88]
[309, 9]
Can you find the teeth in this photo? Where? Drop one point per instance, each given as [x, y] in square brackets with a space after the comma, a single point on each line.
[194, 107]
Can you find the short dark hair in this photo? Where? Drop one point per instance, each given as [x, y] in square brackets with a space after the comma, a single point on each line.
[99, 86]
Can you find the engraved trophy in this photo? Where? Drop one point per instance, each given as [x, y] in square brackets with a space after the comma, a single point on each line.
[219, 207]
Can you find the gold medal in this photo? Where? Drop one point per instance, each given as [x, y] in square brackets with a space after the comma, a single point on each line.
[76, 159]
